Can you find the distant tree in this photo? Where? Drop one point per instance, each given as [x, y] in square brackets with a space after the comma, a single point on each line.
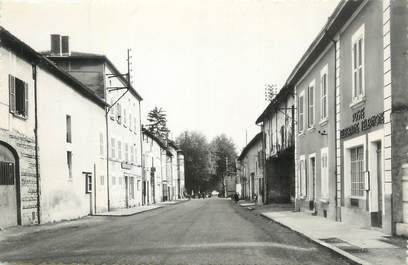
[157, 123]
[196, 159]
[223, 156]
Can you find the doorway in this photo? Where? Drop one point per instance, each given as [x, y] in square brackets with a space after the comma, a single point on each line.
[312, 187]
[9, 188]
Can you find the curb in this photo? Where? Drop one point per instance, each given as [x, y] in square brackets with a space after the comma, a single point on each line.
[333, 249]
[128, 214]
[147, 210]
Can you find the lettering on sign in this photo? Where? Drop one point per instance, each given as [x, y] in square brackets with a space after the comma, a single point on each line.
[361, 124]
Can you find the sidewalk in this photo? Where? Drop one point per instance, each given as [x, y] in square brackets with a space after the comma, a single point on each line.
[129, 211]
[139, 209]
[361, 245]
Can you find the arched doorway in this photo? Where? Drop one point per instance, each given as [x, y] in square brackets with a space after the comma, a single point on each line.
[9, 187]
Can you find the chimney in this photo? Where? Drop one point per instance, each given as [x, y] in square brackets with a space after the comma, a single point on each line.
[55, 44]
[65, 45]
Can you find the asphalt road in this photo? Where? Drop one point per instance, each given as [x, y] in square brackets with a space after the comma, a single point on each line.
[210, 231]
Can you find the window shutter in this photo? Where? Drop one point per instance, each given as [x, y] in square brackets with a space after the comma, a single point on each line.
[26, 100]
[12, 94]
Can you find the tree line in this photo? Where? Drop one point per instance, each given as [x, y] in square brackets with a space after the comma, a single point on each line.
[206, 162]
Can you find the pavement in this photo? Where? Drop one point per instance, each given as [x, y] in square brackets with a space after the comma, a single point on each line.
[209, 231]
[361, 245]
[139, 209]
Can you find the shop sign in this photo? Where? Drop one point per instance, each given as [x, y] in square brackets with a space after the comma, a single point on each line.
[361, 124]
[126, 166]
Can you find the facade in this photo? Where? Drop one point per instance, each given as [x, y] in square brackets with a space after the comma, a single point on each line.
[18, 157]
[125, 183]
[277, 125]
[37, 93]
[251, 170]
[181, 176]
[351, 136]
[174, 180]
[154, 163]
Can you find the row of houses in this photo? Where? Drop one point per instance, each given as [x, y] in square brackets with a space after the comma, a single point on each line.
[334, 140]
[71, 139]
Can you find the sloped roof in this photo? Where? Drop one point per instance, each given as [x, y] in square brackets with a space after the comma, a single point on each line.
[155, 138]
[335, 22]
[255, 140]
[23, 50]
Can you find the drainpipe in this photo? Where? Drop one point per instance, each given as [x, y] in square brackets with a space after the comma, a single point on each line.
[107, 156]
[141, 142]
[335, 126]
[37, 170]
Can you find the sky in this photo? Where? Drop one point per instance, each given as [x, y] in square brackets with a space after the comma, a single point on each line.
[206, 62]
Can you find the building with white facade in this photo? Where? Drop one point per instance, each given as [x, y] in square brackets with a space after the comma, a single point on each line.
[49, 152]
[154, 166]
[122, 138]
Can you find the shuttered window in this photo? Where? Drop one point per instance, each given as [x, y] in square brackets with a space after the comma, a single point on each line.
[18, 97]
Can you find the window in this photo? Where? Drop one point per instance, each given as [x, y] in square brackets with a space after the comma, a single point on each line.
[357, 171]
[358, 64]
[131, 188]
[138, 185]
[126, 152]
[113, 181]
[101, 149]
[68, 127]
[112, 109]
[134, 124]
[102, 180]
[119, 150]
[18, 93]
[324, 174]
[301, 122]
[113, 148]
[132, 154]
[69, 164]
[323, 93]
[311, 105]
[124, 117]
[88, 183]
[302, 176]
[120, 181]
[119, 113]
[7, 172]
[130, 121]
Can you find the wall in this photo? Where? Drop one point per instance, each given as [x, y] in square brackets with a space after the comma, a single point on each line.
[321, 135]
[396, 65]
[279, 164]
[19, 134]
[371, 16]
[63, 197]
[89, 72]
[124, 127]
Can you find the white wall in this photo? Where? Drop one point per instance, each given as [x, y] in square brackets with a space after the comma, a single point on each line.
[64, 197]
[11, 64]
[127, 133]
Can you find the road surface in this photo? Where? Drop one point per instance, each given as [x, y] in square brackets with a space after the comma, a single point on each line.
[210, 231]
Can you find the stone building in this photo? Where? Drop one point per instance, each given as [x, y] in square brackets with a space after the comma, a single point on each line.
[181, 176]
[277, 126]
[251, 170]
[154, 166]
